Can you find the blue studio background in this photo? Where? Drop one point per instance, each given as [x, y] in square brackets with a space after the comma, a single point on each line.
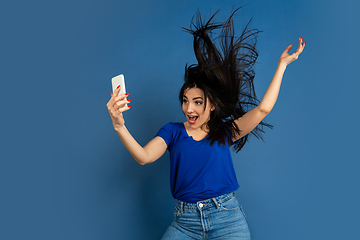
[64, 173]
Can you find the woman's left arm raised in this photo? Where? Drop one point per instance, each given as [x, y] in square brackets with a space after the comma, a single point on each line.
[251, 119]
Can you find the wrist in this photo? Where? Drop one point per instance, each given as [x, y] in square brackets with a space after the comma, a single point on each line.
[282, 65]
[120, 129]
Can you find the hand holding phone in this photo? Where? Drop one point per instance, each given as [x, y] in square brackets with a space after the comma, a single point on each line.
[114, 109]
[116, 81]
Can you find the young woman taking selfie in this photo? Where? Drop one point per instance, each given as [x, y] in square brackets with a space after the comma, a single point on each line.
[221, 108]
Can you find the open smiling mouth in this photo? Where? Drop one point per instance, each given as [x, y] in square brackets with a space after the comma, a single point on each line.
[192, 119]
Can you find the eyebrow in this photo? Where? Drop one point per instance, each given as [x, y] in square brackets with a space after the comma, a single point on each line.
[193, 98]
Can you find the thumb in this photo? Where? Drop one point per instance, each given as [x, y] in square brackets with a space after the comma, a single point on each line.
[288, 48]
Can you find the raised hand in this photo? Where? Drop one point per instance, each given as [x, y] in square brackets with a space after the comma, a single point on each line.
[287, 58]
[116, 107]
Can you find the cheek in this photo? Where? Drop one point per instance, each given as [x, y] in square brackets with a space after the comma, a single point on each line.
[183, 107]
[208, 113]
[203, 112]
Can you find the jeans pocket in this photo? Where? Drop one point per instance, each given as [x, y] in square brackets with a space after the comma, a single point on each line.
[230, 205]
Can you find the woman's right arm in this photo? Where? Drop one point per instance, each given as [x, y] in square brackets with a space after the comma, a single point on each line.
[143, 155]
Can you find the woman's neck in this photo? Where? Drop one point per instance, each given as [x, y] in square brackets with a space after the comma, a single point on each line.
[197, 133]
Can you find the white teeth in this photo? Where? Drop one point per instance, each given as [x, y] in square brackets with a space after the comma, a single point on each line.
[192, 119]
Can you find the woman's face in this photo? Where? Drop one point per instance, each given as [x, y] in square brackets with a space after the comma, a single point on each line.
[193, 107]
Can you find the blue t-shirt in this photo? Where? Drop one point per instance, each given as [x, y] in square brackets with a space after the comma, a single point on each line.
[198, 171]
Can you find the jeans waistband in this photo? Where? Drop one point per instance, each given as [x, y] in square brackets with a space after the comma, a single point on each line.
[205, 203]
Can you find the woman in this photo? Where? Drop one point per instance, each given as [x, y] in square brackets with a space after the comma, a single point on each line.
[221, 108]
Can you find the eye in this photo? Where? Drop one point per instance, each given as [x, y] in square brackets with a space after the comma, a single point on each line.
[198, 102]
[185, 100]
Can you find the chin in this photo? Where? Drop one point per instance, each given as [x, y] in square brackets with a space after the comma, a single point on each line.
[195, 125]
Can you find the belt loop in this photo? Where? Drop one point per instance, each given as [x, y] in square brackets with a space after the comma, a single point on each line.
[181, 206]
[217, 205]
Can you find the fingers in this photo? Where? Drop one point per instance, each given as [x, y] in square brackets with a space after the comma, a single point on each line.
[118, 108]
[287, 58]
[288, 48]
[116, 92]
[121, 97]
[300, 48]
[301, 45]
[121, 103]
[116, 97]
[301, 42]
[124, 108]
[117, 104]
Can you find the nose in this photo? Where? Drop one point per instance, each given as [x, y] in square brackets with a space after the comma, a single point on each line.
[189, 108]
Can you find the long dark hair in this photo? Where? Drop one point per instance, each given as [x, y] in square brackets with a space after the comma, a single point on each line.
[225, 73]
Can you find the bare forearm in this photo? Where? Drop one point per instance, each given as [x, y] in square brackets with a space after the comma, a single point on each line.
[272, 92]
[152, 151]
[252, 118]
[135, 149]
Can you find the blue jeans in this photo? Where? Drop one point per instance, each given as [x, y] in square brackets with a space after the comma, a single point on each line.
[216, 218]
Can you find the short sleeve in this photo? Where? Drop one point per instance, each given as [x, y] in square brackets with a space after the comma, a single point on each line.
[166, 133]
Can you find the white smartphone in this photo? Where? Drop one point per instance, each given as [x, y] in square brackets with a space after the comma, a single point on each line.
[119, 80]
